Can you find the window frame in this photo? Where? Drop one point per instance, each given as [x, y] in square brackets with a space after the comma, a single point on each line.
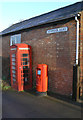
[14, 39]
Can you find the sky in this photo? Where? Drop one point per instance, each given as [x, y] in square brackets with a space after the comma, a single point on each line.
[13, 11]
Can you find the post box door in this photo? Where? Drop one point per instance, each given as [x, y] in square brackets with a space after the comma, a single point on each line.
[39, 79]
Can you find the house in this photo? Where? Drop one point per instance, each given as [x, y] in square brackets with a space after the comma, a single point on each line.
[57, 40]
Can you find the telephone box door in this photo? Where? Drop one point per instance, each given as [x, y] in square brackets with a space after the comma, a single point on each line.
[20, 57]
[25, 72]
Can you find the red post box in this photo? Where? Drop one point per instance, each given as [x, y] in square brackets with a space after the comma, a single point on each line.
[21, 66]
[41, 78]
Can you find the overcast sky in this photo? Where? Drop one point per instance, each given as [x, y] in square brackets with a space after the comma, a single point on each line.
[13, 11]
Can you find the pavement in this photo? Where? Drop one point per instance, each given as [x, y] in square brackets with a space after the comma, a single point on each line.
[26, 105]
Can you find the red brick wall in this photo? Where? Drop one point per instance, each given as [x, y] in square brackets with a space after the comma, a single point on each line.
[81, 54]
[0, 46]
[57, 50]
[6, 58]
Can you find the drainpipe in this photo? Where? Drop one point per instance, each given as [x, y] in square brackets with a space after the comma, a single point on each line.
[77, 38]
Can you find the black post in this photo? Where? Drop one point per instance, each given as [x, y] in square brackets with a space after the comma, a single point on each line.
[74, 96]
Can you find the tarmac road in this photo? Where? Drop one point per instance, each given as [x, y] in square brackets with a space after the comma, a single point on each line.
[26, 105]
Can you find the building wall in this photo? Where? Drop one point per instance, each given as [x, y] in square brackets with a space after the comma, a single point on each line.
[81, 54]
[6, 58]
[0, 59]
[0, 46]
[57, 50]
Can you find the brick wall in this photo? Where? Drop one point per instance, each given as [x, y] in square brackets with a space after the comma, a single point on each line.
[6, 58]
[0, 59]
[81, 54]
[57, 50]
[0, 46]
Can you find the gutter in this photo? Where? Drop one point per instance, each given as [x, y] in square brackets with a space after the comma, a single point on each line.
[77, 38]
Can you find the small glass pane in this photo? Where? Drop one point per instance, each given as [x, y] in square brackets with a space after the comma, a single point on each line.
[25, 67]
[26, 79]
[13, 59]
[25, 71]
[25, 59]
[25, 63]
[14, 79]
[13, 55]
[13, 71]
[24, 55]
[25, 75]
[14, 75]
[13, 67]
[13, 63]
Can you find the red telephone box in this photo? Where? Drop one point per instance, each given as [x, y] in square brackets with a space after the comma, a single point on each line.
[21, 66]
[41, 78]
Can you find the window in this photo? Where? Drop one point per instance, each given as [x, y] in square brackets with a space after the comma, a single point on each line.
[14, 39]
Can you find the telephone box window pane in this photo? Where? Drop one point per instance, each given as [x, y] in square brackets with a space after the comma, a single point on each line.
[13, 59]
[14, 79]
[25, 55]
[13, 67]
[25, 71]
[13, 55]
[26, 79]
[25, 67]
[25, 59]
[13, 71]
[25, 75]
[14, 75]
[25, 63]
[13, 63]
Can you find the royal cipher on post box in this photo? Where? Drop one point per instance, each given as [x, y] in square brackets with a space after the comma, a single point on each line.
[42, 78]
[20, 66]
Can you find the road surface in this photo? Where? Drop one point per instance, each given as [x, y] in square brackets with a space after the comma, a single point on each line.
[26, 105]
